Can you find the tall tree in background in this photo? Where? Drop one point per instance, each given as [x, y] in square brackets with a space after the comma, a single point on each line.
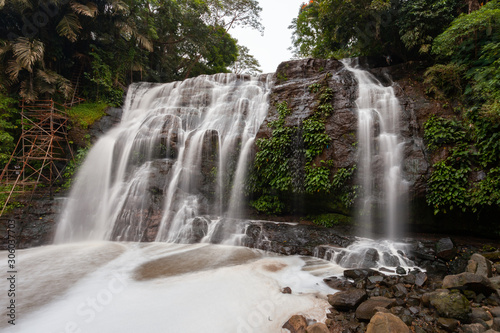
[46, 43]
[246, 63]
[405, 29]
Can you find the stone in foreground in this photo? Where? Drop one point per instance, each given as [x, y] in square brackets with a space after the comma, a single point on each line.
[386, 323]
[296, 324]
[347, 300]
[367, 309]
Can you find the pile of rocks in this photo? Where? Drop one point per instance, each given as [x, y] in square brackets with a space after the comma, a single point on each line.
[371, 301]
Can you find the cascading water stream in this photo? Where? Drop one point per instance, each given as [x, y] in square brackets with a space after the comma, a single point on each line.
[383, 190]
[187, 142]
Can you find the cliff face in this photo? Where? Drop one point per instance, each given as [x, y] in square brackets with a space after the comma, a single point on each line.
[294, 80]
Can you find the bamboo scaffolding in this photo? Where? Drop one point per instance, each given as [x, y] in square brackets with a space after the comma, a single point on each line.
[42, 149]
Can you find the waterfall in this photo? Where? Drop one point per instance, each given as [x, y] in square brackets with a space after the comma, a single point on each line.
[180, 151]
[383, 190]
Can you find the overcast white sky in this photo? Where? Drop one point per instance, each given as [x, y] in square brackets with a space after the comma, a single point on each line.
[272, 48]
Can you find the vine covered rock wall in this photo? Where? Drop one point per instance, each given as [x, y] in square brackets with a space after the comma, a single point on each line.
[306, 149]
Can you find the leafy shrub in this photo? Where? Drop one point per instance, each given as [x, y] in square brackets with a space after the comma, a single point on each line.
[268, 204]
[444, 81]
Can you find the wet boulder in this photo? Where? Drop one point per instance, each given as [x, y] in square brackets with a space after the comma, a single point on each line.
[450, 304]
[347, 300]
[296, 324]
[469, 281]
[367, 309]
[479, 265]
[386, 323]
[445, 249]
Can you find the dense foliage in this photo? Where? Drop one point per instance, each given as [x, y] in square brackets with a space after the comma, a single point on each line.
[468, 177]
[460, 43]
[288, 163]
[60, 49]
[46, 46]
[395, 28]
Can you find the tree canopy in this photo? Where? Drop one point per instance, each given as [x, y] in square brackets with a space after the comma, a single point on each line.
[106, 44]
[401, 28]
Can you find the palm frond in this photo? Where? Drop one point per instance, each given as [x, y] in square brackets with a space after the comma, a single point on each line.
[5, 47]
[69, 27]
[42, 87]
[47, 76]
[90, 9]
[22, 4]
[27, 91]
[13, 69]
[129, 30]
[64, 86]
[144, 42]
[27, 52]
[119, 7]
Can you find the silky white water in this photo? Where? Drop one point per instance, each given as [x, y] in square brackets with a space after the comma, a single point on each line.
[159, 287]
[181, 153]
[383, 190]
[189, 141]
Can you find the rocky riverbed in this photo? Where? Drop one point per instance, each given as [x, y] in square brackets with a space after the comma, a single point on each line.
[457, 292]
[453, 286]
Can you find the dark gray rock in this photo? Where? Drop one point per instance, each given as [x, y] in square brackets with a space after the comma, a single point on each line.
[347, 300]
[479, 265]
[420, 279]
[289, 239]
[112, 118]
[400, 270]
[496, 324]
[445, 249]
[448, 324]
[370, 258]
[390, 260]
[480, 313]
[469, 281]
[367, 309]
[473, 328]
[375, 279]
[495, 311]
[359, 273]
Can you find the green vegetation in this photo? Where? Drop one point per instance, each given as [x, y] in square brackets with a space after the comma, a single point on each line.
[459, 41]
[45, 46]
[330, 220]
[86, 114]
[7, 126]
[289, 163]
[401, 29]
[4, 194]
[468, 177]
[72, 168]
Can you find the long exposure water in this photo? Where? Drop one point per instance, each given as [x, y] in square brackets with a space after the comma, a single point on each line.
[198, 133]
[182, 151]
[383, 190]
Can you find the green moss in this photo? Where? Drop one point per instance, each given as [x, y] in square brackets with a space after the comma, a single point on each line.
[86, 114]
[4, 194]
[330, 220]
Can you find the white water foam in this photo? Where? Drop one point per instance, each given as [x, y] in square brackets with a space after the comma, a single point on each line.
[184, 132]
[380, 156]
[158, 287]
